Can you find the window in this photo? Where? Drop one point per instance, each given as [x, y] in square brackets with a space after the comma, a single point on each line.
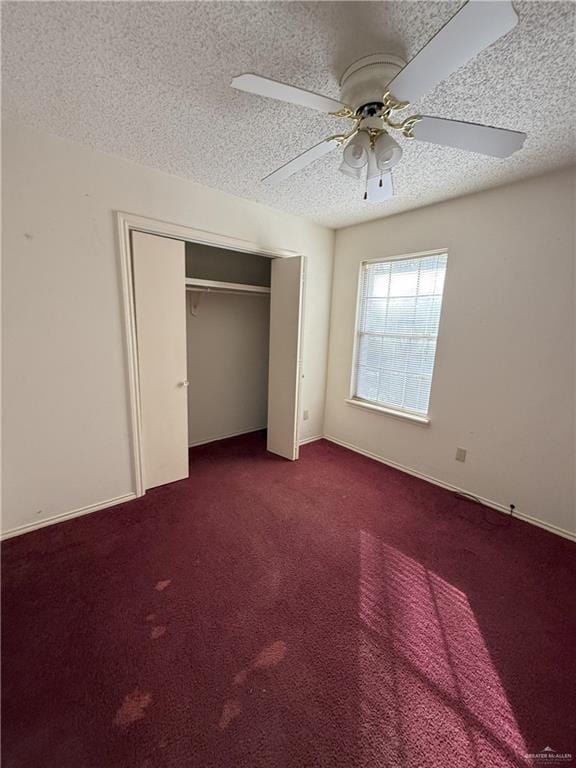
[398, 318]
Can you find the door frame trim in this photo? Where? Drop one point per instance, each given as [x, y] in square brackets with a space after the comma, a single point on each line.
[125, 224]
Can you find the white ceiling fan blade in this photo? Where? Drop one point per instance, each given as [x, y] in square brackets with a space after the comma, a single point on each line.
[301, 161]
[379, 186]
[379, 194]
[263, 86]
[474, 27]
[497, 142]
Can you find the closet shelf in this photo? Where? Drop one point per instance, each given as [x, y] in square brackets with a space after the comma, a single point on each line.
[215, 286]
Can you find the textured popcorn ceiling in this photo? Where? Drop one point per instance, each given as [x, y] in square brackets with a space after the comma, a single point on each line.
[150, 82]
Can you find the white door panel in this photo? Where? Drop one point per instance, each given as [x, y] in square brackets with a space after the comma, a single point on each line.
[160, 299]
[284, 360]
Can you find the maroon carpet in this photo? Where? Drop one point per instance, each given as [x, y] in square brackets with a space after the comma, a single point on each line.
[329, 612]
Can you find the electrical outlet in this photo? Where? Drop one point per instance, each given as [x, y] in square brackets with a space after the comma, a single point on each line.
[306, 415]
[460, 454]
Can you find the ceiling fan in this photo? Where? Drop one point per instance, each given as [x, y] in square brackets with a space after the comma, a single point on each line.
[374, 88]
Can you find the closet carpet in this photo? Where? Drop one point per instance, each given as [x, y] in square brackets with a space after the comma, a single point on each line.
[327, 612]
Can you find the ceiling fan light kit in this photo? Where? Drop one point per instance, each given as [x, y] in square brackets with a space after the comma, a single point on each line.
[375, 87]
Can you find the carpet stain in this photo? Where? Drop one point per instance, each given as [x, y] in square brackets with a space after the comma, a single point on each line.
[240, 677]
[230, 712]
[270, 656]
[161, 585]
[157, 632]
[132, 708]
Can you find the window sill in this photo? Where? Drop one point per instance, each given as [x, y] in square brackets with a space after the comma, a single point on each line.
[413, 417]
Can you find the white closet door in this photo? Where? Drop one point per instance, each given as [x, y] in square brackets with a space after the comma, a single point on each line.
[284, 361]
[160, 299]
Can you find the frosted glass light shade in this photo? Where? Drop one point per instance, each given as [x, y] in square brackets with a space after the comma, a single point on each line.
[356, 151]
[354, 173]
[387, 151]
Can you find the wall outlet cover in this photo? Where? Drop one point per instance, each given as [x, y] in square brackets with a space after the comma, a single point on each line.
[460, 454]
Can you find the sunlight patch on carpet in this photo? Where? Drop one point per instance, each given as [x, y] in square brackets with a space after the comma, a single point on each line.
[430, 695]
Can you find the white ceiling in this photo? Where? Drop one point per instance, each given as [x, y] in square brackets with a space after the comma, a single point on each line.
[150, 82]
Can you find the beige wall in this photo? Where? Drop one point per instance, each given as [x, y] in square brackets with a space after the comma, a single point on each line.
[227, 366]
[66, 425]
[504, 381]
[504, 385]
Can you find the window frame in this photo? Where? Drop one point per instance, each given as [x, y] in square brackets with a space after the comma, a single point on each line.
[411, 416]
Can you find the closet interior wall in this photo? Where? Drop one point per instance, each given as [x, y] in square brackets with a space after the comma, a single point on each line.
[227, 344]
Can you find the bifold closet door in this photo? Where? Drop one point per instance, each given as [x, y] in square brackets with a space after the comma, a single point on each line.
[284, 359]
[160, 298]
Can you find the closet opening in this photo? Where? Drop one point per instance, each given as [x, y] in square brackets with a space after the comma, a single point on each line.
[216, 349]
[227, 339]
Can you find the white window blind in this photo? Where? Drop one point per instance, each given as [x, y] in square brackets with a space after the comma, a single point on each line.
[398, 318]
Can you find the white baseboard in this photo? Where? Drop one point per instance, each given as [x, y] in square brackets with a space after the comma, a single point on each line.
[225, 437]
[311, 439]
[131, 496]
[487, 502]
[66, 516]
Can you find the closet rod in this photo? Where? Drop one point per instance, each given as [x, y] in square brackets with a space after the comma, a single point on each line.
[190, 289]
[197, 284]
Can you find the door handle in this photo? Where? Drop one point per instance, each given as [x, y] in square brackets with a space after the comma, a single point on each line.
[183, 383]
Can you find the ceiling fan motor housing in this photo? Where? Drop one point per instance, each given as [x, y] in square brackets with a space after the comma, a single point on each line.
[364, 82]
